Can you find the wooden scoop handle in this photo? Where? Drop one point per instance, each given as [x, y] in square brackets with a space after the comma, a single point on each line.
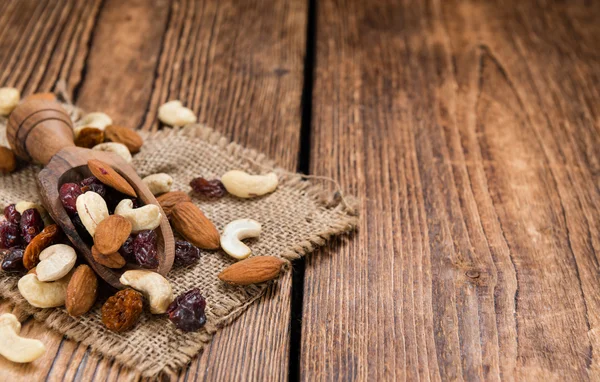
[38, 129]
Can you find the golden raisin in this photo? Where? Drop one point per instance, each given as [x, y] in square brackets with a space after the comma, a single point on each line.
[89, 137]
[122, 311]
[44, 239]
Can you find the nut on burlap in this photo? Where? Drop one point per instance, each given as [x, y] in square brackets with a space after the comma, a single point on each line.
[296, 219]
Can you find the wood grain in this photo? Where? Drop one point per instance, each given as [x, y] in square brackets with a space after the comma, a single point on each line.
[469, 130]
[242, 73]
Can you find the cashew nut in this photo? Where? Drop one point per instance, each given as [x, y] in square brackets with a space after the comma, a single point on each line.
[56, 261]
[116, 148]
[234, 232]
[244, 185]
[97, 119]
[141, 219]
[16, 348]
[158, 183]
[92, 209]
[175, 114]
[154, 286]
[9, 99]
[41, 294]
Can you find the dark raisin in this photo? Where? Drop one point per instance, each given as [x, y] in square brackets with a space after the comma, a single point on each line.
[68, 194]
[9, 235]
[31, 224]
[145, 249]
[93, 184]
[81, 230]
[185, 253]
[208, 188]
[187, 311]
[13, 260]
[126, 249]
[11, 214]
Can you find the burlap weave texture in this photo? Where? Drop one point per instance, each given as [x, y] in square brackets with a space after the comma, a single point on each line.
[296, 218]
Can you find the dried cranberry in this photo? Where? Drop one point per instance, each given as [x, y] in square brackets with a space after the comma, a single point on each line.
[187, 311]
[68, 194]
[9, 235]
[126, 249]
[93, 184]
[13, 260]
[11, 214]
[145, 249]
[81, 230]
[208, 188]
[185, 253]
[31, 224]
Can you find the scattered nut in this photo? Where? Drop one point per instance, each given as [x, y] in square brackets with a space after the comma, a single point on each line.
[234, 232]
[88, 137]
[98, 120]
[147, 217]
[114, 260]
[116, 148]
[170, 199]
[41, 96]
[41, 294]
[189, 221]
[92, 209]
[175, 114]
[244, 185]
[9, 99]
[110, 177]
[121, 311]
[55, 262]
[82, 291]
[40, 242]
[158, 183]
[128, 137]
[111, 233]
[15, 348]
[8, 162]
[154, 286]
[254, 270]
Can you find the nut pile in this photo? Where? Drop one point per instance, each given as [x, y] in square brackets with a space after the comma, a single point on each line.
[123, 232]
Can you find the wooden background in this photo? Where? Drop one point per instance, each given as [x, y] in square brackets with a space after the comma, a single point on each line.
[470, 131]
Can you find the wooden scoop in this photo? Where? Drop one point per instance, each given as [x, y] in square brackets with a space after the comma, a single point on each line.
[41, 131]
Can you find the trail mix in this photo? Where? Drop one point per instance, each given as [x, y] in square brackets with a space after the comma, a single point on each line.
[123, 234]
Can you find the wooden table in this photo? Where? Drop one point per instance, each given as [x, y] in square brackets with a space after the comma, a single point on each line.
[470, 131]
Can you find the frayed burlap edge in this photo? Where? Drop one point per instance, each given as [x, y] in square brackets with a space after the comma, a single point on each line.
[344, 207]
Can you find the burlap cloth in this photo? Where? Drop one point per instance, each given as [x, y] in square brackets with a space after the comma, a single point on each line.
[296, 219]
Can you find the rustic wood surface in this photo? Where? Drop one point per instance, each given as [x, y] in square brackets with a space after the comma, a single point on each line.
[469, 130]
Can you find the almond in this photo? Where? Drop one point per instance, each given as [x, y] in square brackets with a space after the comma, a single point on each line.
[254, 270]
[194, 226]
[114, 260]
[110, 177]
[170, 199]
[89, 137]
[31, 257]
[8, 162]
[82, 291]
[124, 135]
[111, 233]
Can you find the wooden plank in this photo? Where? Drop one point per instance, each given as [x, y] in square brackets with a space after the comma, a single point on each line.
[241, 71]
[470, 131]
